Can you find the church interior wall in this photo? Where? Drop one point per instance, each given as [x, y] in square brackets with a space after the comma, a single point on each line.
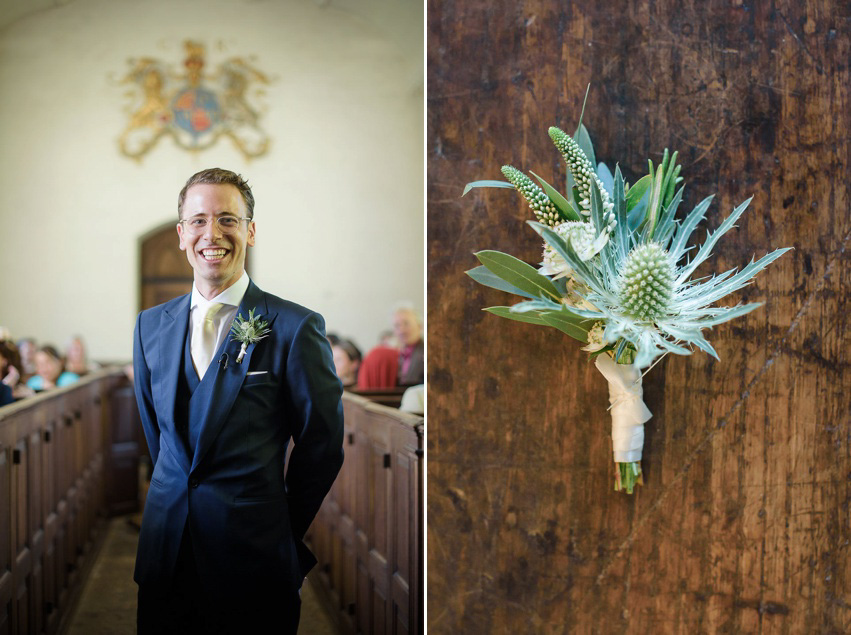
[339, 194]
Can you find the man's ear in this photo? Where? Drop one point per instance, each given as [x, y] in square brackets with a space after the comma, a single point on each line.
[251, 229]
[182, 244]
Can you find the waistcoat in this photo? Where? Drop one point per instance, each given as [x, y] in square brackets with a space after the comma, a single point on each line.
[192, 397]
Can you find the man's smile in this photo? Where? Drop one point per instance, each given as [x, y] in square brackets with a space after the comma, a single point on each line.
[213, 254]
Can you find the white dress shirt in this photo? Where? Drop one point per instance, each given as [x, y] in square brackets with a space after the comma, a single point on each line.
[198, 305]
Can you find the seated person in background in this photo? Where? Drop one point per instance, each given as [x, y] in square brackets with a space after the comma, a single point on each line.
[27, 348]
[5, 395]
[408, 330]
[413, 400]
[379, 369]
[10, 373]
[75, 357]
[332, 338]
[387, 339]
[347, 358]
[50, 371]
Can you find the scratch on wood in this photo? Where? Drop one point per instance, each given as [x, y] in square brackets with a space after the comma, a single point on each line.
[819, 67]
[690, 458]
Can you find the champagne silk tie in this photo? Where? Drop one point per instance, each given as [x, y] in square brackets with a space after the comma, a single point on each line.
[204, 336]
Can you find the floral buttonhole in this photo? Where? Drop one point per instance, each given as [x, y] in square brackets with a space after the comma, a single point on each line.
[248, 331]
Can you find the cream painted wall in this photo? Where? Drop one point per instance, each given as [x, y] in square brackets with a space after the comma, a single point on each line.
[339, 197]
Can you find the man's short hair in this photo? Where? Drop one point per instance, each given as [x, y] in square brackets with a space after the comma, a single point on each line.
[218, 176]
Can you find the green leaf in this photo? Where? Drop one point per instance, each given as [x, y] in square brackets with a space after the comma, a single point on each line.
[488, 278]
[503, 184]
[534, 306]
[567, 324]
[561, 203]
[670, 179]
[505, 312]
[596, 208]
[518, 273]
[606, 178]
[655, 203]
[637, 191]
[583, 140]
[622, 244]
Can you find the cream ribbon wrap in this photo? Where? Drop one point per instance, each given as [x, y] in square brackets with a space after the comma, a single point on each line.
[628, 409]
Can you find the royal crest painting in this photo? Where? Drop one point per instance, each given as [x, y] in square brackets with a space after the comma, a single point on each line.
[193, 107]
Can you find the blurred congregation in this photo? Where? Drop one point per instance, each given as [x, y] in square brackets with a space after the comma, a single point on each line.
[394, 366]
[28, 367]
[392, 371]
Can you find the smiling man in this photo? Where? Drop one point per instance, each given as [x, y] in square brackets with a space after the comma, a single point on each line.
[220, 550]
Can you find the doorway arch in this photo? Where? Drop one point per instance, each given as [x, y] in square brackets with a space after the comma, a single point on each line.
[164, 271]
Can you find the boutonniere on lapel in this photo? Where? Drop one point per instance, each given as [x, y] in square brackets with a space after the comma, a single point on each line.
[248, 331]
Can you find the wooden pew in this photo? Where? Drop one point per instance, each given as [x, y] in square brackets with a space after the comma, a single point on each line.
[62, 452]
[368, 535]
[51, 499]
[391, 397]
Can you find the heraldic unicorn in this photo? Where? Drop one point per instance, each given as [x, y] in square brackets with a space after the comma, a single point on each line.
[195, 109]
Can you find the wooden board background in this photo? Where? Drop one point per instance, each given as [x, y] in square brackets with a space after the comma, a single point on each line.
[743, 525]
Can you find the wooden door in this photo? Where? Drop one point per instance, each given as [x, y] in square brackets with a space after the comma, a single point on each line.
[165, 271]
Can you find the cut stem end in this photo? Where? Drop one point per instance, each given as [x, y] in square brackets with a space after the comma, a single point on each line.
[627, 476]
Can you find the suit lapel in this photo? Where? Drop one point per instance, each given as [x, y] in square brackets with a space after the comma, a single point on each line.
[228, 378]
[174, 325]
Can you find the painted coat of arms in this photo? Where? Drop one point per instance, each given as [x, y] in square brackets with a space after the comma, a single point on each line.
[192, 107]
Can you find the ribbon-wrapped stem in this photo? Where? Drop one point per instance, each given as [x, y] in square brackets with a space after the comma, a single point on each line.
[628, 416]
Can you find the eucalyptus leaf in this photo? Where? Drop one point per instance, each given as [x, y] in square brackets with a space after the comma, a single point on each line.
[583, 140]
[566, 324]
[637, 191]
[532, 306]
[502, 184]
[488, 278]
[505, 312]
[606, 178]
[518, 273]
[636, 216]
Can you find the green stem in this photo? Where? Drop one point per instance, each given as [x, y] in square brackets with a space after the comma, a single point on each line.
[627, 475]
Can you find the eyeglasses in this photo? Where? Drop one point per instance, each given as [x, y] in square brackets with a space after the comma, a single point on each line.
[225, 224]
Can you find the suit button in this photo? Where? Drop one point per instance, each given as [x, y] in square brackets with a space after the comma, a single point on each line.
[193, 483]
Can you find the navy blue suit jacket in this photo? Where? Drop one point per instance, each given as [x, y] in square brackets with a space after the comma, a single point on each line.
[246, 519]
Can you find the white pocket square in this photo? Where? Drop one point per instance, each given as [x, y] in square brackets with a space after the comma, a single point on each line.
[257, 372]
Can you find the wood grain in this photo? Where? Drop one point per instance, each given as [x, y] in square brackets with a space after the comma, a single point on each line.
[743, 525]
